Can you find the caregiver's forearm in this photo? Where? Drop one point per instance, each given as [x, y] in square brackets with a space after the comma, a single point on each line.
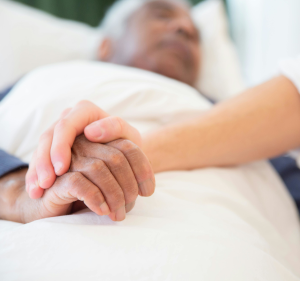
[260, 123]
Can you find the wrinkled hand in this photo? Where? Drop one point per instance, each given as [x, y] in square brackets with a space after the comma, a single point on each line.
[106, 178]
[114, 172]
[118, 171]
[103, 177]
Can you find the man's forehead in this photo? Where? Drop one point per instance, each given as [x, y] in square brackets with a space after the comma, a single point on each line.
[167, 5]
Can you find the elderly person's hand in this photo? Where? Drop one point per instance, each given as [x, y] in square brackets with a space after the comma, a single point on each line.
[77, 189]
[117, 168]
[96, 175]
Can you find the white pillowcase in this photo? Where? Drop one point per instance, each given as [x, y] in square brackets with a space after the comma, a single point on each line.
[221, 76]
[31, 38]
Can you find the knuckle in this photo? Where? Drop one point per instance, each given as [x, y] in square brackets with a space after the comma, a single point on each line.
[97, 166]
[117, 159]
[74, 178]
[45, 136]
[61, 124]
[128, 146]
[118, 122]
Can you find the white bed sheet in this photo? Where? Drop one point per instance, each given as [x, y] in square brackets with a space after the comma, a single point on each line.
[210, 224]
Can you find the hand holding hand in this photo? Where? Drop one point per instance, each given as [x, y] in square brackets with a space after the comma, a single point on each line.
[119, 169]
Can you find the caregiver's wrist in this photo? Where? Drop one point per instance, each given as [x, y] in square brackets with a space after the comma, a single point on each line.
[12, 192]
[151, 147]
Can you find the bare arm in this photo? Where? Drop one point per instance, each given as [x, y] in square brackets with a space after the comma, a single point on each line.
[260, 123]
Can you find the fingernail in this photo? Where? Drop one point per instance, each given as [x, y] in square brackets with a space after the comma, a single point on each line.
[43, 176]
[31, 188]
[104, 209]
[95, 130]
[57, 167]
[146, 187]
[120, 214]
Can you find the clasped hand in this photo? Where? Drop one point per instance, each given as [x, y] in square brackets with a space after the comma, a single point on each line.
[88, 159]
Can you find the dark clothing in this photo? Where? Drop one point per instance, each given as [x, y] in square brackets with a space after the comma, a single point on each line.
[9, 163]
[290, 174]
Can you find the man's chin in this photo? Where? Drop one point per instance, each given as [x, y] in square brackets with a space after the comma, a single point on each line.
[176, 73]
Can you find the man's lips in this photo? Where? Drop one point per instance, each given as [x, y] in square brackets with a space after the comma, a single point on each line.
[177, 47]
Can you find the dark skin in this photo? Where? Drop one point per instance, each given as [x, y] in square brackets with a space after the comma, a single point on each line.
[159, 37]
[98, 173]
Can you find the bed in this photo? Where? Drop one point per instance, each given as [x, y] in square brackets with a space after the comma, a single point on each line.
[211, 224]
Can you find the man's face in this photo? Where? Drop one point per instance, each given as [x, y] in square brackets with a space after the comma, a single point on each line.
[161, 37]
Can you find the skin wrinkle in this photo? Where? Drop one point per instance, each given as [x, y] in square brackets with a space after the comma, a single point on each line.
[108, 179]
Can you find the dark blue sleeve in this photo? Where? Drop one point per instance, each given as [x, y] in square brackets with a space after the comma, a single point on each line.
[9, 163]
[289, 172]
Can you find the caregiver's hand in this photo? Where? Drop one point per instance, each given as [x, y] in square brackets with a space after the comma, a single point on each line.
[60, 138]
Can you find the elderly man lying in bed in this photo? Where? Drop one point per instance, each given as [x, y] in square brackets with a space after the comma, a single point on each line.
[160, 37]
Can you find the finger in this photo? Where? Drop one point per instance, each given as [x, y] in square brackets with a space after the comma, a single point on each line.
[66, 130]
[114, 160]
[112, 128]
[32, 185]
[68, 189]
[139, 164]
[98, 173]
[42, 165]
[116, 163]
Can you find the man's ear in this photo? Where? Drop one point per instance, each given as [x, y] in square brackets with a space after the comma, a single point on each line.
[105, 50]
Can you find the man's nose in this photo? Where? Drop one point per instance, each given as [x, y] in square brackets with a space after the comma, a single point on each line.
[183, 25]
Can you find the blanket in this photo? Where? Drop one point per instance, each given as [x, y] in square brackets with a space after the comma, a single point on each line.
[211, 224]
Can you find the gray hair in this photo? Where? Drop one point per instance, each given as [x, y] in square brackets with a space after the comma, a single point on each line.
[114, 23]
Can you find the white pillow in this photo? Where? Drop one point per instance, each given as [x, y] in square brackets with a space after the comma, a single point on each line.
[265, 32]
[221, 76]
[30, 38]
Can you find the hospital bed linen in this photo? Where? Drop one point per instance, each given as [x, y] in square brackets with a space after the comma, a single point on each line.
[210, 224]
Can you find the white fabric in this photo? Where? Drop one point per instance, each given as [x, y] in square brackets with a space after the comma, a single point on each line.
[220, 77]
[211, 224]
[30, 38]
[291, 69]
[264, 31]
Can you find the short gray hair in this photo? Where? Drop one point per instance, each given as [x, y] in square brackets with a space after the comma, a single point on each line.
[114, 23]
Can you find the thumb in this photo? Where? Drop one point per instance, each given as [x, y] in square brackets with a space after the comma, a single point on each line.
[112, 128]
